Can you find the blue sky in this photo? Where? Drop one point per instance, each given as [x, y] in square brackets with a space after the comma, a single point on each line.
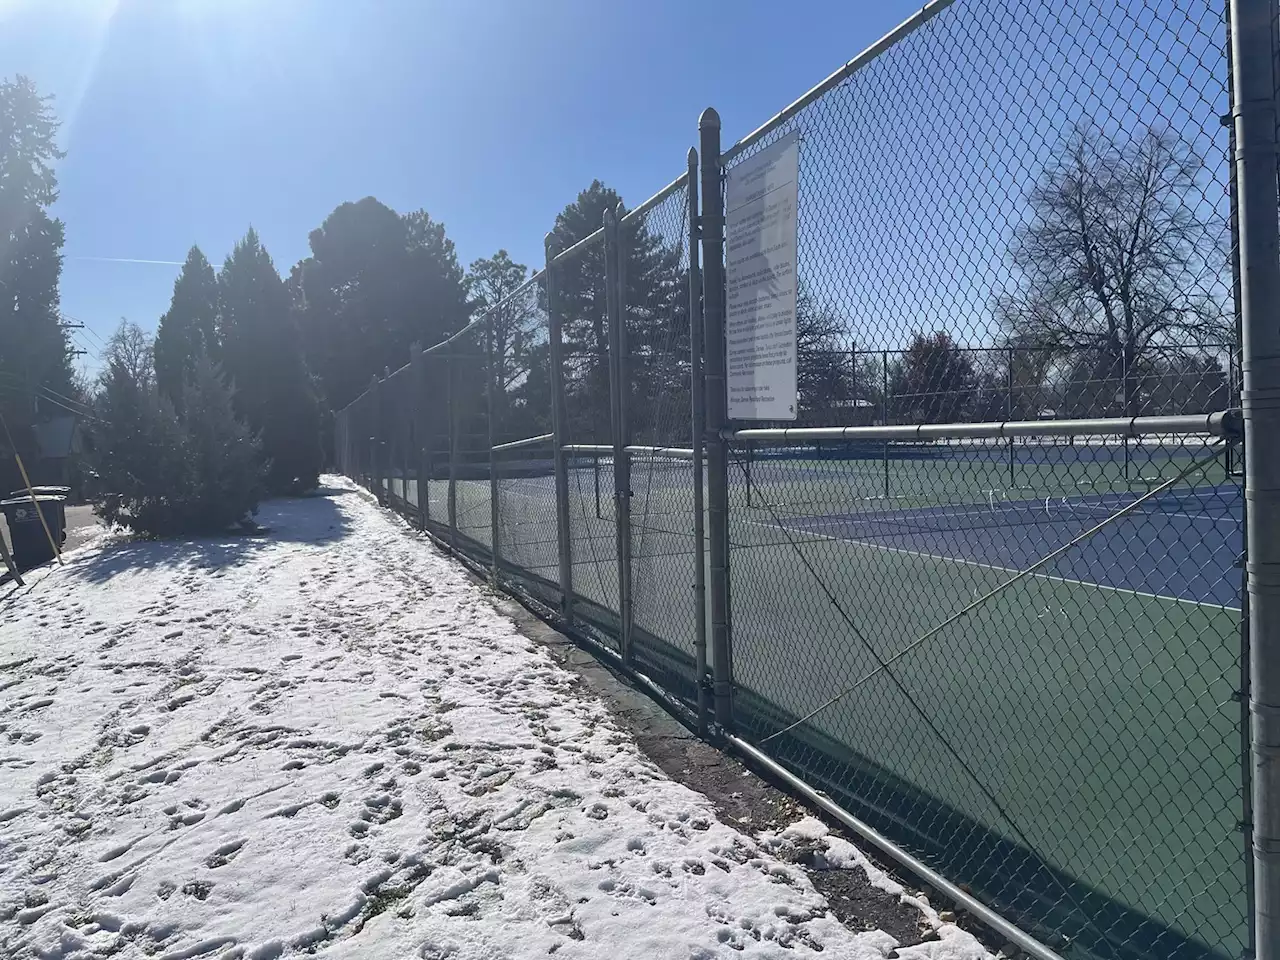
[185, 121]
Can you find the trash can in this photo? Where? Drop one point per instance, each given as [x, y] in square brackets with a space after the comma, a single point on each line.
[63, 492]
[31, 546]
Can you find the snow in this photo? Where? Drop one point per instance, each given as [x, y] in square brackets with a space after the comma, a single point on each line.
[328, 740]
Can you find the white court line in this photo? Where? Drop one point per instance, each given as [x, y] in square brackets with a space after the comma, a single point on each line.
[998, 569]
[1007, 508]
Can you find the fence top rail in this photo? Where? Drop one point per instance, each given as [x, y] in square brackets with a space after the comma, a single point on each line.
[597, 235]
[641, 209]
[469, 328]
[526, 442]
[569, 253]
[908, 26]
[1226, 423]
[480, 320]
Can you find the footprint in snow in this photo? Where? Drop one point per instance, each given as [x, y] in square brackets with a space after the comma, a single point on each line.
[224, 854]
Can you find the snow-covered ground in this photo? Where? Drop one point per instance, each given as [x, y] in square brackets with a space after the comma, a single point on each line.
[329, 741]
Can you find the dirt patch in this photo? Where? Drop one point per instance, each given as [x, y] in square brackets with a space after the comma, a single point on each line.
[745, 801]
[742, 799]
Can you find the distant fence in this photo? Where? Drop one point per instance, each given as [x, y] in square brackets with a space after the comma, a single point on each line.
[987, 591]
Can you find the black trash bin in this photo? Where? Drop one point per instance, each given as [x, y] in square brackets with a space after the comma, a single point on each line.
[31, 546]
[63, 492]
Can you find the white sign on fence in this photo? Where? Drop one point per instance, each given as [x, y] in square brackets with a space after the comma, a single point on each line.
[760, 283]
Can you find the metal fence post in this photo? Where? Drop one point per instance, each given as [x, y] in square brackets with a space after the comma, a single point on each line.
[428, 436]
[559, 430]
[713, 309]
[884, 413]
[615, 300]
[375, 436]
[1010, 409]
[418, 389]
[385, 436]
[698, 398]
[1128, 403]
[452, 405]
[491, 398]
[595, 474]
[1253, 113]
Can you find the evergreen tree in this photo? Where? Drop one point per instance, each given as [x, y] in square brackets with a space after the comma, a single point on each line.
[375, 283]
[187, 330]
[34, 353]
[519, 343]
[262, 355]
[163, 475]
[222, 456]
[137, 443]
[657, 298]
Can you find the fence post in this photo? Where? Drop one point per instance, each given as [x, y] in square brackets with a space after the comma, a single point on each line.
[713, 308]
[452, 406]
[417, 391]
[1253, 112]
[375, 436]
[559, 428]
[432, 410]
[1010, 407]
[385, 436]
[1128, 402]
[491, 398]
[884, 413]
[615, 300]
[697, 399]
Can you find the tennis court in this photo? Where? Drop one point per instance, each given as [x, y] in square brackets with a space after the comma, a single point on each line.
[1107, 676]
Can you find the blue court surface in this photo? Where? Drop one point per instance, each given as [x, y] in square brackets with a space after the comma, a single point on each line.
[1172, 545]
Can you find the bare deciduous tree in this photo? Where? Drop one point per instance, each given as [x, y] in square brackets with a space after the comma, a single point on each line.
[1121, 253]
[131, 349]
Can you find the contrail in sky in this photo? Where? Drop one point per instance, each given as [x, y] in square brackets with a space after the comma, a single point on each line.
[169, 263]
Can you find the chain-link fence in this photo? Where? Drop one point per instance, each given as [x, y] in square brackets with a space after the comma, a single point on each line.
[1019, 211]
[987, 589]
[1061, 733]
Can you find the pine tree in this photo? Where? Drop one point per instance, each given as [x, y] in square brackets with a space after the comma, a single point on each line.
[518, 338]
[375, 283]
[164, 475]
[222, 455]
[33, 345]
[262, 356]
[657, 298]
[187, 330]
[138, 445]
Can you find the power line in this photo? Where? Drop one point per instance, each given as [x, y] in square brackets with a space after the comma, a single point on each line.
[88, 347]
[49, 394]
[54, 394]
[86, 328]
[80, 413]
[38, 387]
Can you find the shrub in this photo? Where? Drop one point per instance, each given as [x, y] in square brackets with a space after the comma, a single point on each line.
[168, 476]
